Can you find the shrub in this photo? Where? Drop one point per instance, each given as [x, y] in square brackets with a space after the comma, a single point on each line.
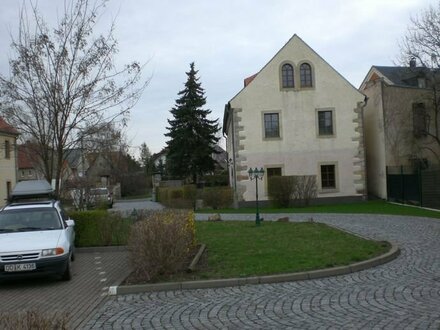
[33, 320]
[281, 190]
[190, 193]
[216, 180]
[176, 193]
[178, 197]
[305, 190]
[217, 197]
[160, 244]
[99, 228]
[162, 194]
[300, 189]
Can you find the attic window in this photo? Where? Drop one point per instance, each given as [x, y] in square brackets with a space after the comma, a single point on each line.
[287, 76]
[421, 82]
[305, 72]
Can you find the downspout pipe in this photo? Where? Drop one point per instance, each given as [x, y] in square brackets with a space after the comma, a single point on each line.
[363, 105]
[229, 117]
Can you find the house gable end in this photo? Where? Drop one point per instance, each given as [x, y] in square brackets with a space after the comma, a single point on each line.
[284, 54]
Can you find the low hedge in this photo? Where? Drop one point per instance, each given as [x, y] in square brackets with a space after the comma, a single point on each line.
[186, 196]
[100, 228]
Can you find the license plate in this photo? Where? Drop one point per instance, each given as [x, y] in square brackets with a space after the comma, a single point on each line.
[20, 267]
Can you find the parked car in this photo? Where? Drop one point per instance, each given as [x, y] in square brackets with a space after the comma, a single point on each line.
[99, 196]
[36, 235]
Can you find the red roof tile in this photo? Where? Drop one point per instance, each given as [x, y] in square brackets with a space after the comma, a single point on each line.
[6, 128]
[23, 159]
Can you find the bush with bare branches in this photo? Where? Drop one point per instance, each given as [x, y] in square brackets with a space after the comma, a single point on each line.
[299, 189]
[161, 243]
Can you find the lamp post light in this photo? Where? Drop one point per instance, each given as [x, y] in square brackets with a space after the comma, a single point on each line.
[256, 174]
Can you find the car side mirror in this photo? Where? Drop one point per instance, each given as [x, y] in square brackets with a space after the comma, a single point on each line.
[70, 223]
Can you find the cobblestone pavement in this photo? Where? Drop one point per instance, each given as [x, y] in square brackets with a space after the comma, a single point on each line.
[403, 294]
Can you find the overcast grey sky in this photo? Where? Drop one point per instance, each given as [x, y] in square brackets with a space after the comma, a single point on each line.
[229, 40]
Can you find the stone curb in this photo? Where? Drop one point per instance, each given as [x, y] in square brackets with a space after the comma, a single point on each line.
[229, 282]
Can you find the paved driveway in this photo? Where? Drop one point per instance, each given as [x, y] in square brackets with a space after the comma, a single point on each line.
[128, 206]
[403, 294]
[93, 273]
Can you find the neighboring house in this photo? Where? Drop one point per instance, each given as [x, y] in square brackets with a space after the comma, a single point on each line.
[77, 163]
[26, 164]
[101, 170]
[159, 160]
[398, 116]
[8, 159]
[220, 157]
[297, 116]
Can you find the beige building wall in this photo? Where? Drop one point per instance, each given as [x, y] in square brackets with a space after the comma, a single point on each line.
[299, 150]
[402, 147]
[8, 161]
[389, 132]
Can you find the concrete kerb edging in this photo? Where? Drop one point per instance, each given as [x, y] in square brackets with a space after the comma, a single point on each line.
[229, 282]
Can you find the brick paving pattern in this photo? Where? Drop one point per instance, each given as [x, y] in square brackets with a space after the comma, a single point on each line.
[402, 294]
[93, 273]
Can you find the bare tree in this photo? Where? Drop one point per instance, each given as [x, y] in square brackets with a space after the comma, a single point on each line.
[63, 81]
[421, 45]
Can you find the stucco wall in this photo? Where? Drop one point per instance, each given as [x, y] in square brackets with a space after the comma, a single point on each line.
[389, 131]
[7, 167]
[299, 151]
[401, 144]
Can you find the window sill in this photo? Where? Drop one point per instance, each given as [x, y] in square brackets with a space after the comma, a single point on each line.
[330, 136]
[272, 139]
[328, 190]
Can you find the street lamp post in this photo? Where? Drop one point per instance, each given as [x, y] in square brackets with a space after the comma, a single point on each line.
[255, 174]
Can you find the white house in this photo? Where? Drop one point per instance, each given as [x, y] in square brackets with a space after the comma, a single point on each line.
[297, 116]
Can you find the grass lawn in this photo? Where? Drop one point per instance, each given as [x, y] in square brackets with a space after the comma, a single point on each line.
[370, 207]
[239, 249]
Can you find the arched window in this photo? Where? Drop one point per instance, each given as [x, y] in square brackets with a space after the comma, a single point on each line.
[287, 76]
[305, 73]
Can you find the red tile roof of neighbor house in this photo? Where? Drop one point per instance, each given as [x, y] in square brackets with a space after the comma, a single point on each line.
[23, 157]
[248, 80]
[6, 128]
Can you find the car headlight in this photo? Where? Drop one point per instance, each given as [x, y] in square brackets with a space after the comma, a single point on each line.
[52, 252]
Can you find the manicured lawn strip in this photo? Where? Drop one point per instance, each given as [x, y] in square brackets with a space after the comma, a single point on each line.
[370, 207]
[239, 249]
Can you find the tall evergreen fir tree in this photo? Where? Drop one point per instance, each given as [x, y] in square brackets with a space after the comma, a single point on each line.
[192, 135]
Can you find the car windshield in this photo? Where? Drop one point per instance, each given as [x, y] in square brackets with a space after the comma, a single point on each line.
[30, 219]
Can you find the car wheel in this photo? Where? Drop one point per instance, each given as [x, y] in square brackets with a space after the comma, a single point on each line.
[67, 275]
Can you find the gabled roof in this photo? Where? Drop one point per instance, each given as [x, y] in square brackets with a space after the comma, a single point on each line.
[403, 76]
[73, 157]
[6, 128]
[24, 159]
[158, 155]
[249, 80]
[295, 36]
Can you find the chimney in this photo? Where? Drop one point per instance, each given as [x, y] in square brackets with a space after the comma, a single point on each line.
[412, 62]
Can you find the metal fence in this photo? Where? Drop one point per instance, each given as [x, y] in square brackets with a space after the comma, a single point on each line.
[415, 186]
